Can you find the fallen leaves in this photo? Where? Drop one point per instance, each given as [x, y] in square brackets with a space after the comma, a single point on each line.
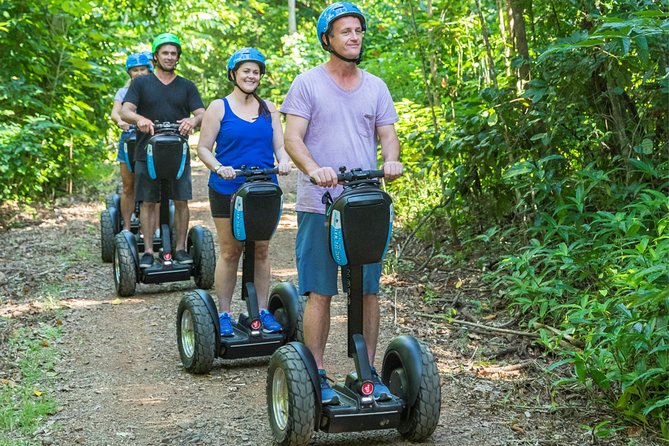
[503, 371]
[7, 382]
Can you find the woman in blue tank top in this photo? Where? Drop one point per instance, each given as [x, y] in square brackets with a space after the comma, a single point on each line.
[246, 131]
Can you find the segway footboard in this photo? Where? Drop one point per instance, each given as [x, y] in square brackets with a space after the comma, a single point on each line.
[244, 345]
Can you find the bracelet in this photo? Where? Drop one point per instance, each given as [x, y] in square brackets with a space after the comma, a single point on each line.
[216, 170]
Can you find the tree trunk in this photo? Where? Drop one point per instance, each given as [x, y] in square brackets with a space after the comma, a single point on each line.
[433, 58]
[491, 60]
[519, 37]
[292, 22]
[618, 114]
[503, 26]
[426, 80]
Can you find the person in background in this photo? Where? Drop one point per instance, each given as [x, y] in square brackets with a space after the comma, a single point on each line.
[336, 114]
[238, 130]
[137, 64]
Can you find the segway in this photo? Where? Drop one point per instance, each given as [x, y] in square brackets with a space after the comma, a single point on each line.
[167, 157]
[255, 213]
[111, 220]
[359, 233]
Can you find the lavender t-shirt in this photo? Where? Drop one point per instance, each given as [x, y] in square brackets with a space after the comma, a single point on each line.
[342, 126]
[120, 94]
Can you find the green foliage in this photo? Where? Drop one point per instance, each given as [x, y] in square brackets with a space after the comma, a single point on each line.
[567, 170]
[597, 268]
[63, 62]
[52, 94]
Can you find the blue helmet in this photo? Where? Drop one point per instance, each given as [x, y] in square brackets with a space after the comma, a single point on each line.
[334, 12]
[138, 60]
[245, 55]
[148, 55]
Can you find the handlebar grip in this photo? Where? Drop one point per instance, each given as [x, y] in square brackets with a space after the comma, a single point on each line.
[166, 125]
[360, 175]
[353, 175]
[255, 171]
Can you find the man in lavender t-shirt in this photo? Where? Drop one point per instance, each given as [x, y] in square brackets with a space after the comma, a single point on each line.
[336, 114]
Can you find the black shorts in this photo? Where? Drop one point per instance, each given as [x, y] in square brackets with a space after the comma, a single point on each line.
[219, 204]
[148, 190]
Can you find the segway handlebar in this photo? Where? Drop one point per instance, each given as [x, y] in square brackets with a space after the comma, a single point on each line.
[165, 126]
[255, 171]
[355, 175]
[358, 174]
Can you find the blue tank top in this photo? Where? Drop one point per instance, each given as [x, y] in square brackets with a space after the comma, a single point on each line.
[242, 143]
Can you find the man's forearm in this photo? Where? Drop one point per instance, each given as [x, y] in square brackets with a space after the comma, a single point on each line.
[301, 156]
[130, 116]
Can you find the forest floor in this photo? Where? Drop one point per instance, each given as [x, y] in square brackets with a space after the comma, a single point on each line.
[119, 379]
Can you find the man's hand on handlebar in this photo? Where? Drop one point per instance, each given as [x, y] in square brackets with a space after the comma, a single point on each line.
[186, 126]
[392, 170]
[324, 176]
[145, 126]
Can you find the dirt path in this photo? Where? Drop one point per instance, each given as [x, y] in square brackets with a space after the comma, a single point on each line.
[120, 381]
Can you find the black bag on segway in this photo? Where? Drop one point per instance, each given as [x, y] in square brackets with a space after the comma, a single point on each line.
[129, 150]
[360, 226]
[255, 210]
[167, 156]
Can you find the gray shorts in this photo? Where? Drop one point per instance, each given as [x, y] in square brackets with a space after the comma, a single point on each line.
[316, 270]
[147, 189]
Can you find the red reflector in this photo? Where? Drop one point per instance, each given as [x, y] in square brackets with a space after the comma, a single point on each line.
[367, 388]
[255, 324]
[167, 256]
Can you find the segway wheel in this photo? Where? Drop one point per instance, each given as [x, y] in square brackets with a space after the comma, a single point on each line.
[287, 307]
[299, 326]
[290, 398]
[110, 202]
[195, 334]
[125, 272]
[421, 418]
[107, 236]
[201, 246]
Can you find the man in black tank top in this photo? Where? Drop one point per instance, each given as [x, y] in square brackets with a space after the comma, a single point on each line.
[165, 97]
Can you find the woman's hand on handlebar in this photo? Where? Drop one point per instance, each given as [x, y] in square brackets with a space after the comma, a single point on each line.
[392, 170]
[226, 172]
[284, 167]
[324, 176]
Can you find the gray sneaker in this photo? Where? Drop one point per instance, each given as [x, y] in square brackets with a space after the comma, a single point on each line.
[183, 257]
[146, 261]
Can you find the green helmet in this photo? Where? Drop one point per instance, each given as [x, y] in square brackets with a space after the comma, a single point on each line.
[166, 38]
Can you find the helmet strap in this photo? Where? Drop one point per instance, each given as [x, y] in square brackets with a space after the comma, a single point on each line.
[159, 65]
[234, 80]
[328, 47]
